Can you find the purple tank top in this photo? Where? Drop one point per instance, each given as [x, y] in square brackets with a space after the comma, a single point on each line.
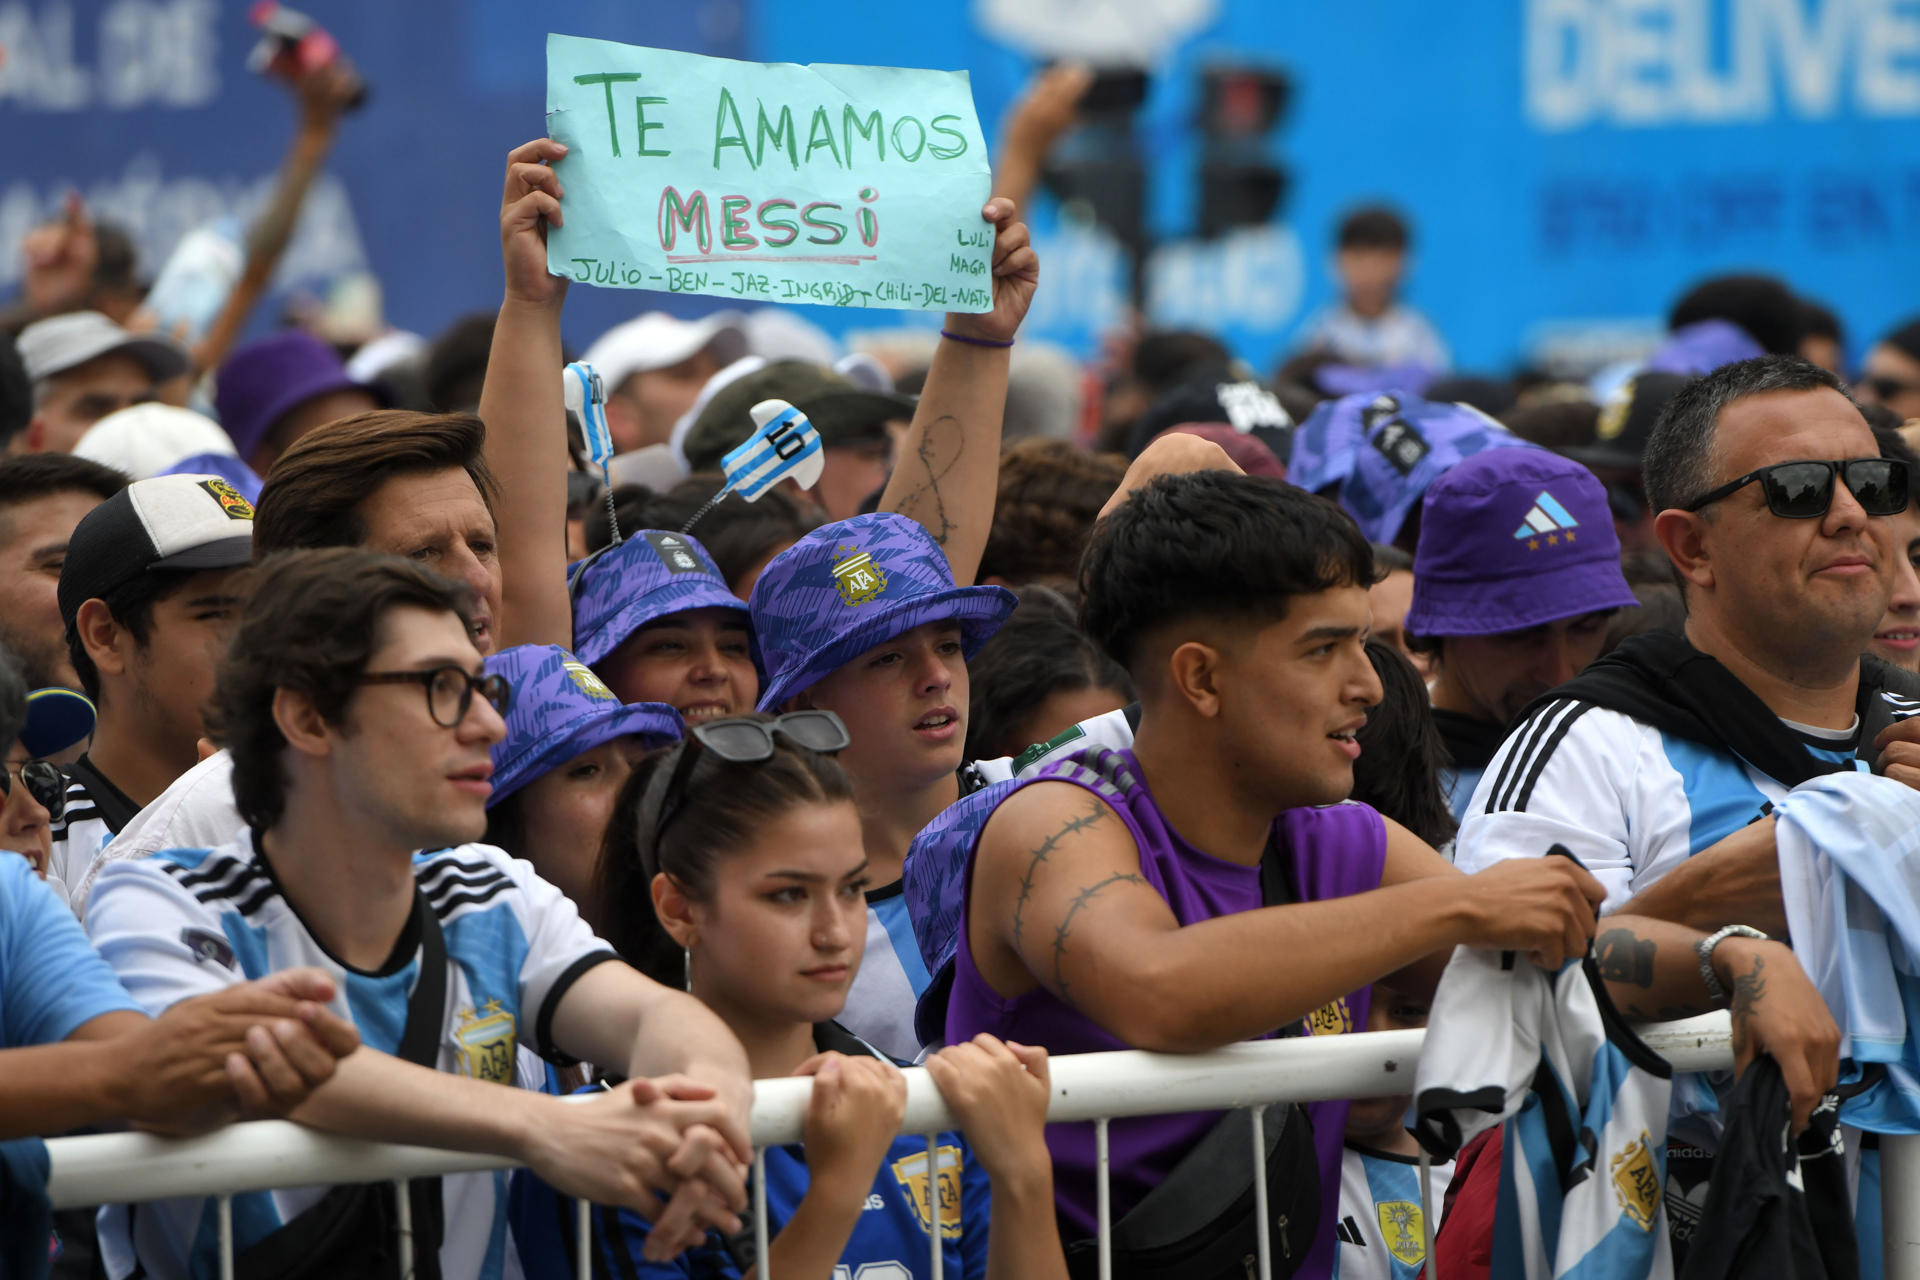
[1332, 852]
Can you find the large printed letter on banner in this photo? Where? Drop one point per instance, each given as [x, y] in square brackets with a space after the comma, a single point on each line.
[769, 182]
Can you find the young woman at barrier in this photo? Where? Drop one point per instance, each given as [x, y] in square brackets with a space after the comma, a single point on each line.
[734, 866]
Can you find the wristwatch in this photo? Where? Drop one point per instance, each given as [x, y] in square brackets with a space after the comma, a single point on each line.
[1704, 950]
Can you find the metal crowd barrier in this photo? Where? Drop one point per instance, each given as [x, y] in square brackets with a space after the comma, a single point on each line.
[129, 1167]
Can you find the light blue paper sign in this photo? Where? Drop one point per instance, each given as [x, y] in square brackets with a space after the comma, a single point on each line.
[768, 182]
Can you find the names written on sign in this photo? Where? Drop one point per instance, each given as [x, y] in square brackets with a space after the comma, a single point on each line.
[854, 186]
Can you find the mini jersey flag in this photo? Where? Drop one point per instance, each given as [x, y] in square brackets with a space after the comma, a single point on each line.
[586, 398]
[784, 445]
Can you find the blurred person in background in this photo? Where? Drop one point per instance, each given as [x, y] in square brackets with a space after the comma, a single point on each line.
[82, 367]
[1043, 512]
[1897, 638]
[1370, 325]
[1890, 375]
[272, 392]
[1390, 598]
[1822, 340]
[1038, 676]
[853, 423]
[654, 366]
[43, 498]
[1614, 456]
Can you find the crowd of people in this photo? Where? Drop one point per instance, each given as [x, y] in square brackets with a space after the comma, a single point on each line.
[376, 761]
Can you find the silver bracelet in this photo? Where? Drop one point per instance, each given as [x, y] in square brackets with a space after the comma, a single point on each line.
[1704, 948]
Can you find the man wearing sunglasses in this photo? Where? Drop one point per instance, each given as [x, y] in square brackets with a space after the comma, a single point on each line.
[1660, 765]
[361, 718]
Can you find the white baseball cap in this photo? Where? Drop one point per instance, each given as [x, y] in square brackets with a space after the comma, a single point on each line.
[657, 340]
[146, 439]
[64, 342]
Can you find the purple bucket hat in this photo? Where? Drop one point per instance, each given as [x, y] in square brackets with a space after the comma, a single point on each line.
[1703, 347]
[560, 709]
[263, 381]
[1511, 539]
[1327, 444]
[1400, 454]
[851, 585]
[652, 574]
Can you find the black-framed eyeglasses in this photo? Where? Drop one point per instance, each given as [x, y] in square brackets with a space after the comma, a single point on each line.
[450, 690]
[1804, 490]
[741, 740]
[44, 782]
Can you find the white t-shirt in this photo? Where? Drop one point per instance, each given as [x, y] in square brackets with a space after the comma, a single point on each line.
[195, 812]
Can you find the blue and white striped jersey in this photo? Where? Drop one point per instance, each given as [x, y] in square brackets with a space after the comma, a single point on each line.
[1381, 1228]
[890, 980]
[1630, 801]
[1584, 1103]
[186, 922]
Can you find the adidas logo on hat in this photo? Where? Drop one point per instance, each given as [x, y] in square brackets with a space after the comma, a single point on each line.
[1547, 517]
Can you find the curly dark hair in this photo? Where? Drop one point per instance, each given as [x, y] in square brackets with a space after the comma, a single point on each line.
[1050, 492]
[310, 625]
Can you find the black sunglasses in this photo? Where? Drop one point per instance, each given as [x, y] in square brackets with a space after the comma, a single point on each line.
[742, 740]
[450, 691]
[1804, 490]
[45, 783]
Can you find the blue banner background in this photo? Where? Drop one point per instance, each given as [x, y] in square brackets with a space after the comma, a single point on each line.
[1570, 164]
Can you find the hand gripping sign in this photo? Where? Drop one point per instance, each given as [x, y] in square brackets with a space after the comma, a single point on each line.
[784, 446]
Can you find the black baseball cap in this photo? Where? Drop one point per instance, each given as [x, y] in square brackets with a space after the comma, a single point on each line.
[1620, 439]
[1243, 404]
[178, 522]
[841, 410]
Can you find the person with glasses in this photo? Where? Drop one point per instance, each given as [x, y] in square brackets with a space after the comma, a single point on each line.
[361, 721]
[1659, 766]
[33, 792]
[734, 867]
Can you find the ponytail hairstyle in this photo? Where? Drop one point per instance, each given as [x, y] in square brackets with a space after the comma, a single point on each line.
[721, 807]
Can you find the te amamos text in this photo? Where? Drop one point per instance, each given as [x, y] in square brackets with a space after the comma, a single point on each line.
[694, 221]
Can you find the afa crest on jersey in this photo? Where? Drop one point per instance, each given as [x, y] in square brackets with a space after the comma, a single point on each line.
[856, 577]
[1332, 1019]
[1402, 1230]
[944, 1185]
[1636, 1181]
[485, 1042]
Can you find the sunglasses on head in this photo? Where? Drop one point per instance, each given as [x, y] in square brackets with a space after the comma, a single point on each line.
[744, 740]
[44, 783]
[1804, 490]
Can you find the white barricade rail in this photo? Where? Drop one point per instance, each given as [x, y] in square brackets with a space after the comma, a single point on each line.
[126, 1167]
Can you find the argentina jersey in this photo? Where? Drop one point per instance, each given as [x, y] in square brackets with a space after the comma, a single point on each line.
[1382, 1230]
[188, 922]
[892, 1240]
[78, 836]
[1630, 801]
[1583, 1103]
[891, 978]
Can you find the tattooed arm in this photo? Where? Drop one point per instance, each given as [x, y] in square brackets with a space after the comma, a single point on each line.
[1059, 901]
[1653, 974]
[949, 466]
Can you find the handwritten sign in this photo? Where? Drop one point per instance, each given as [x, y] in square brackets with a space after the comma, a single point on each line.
[768, 182]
